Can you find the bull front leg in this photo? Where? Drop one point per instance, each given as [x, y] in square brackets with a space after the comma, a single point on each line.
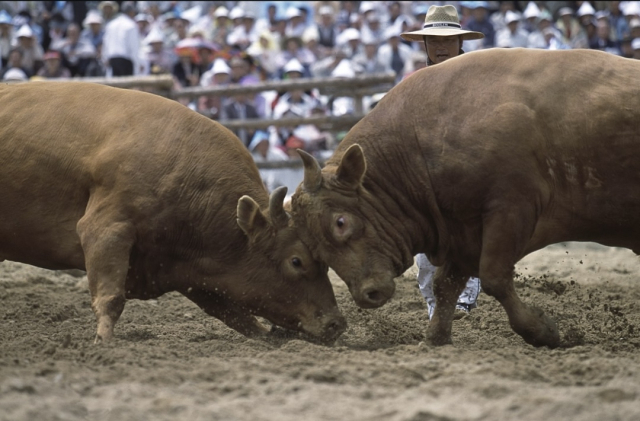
[106, 241]
[504, 239]
[231, 315]
[448, 283]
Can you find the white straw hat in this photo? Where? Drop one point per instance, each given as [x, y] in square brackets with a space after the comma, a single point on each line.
[442, 21]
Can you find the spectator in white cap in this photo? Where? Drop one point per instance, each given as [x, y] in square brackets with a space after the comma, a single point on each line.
[573, 34]
[394, 54]
[295, 22]
[552, 41]
[349, 42]
[327, 27]
[513, 35]
[530, 16]
[93, 31]
[294, 103]
[635, 45]
[442, 36]
[338, 104]
[585, 13]
[143, 20]
[310, 39]
[32, 52]
[218, 75]
[242, 35]
[220, 26]
[368, 61]
[372, 26]
[158, 60]
[537, 39]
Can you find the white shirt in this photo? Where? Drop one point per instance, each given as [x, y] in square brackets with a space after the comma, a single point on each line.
[504, 38]
[121, 39]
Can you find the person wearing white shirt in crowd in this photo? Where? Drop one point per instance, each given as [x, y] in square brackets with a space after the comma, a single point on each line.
[262, 150]
[121, 43]
[368, 61]
[537, 39]
[393, 53]
[32, 52]
[244, 34]
[295, 22]
[93, 29]
[513, 35]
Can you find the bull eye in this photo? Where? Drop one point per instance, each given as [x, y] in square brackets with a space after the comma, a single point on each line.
[296, 262]
[340, 222]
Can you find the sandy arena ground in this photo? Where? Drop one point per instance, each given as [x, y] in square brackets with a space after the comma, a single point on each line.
[172, 362]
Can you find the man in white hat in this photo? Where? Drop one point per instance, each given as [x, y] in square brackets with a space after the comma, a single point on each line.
[442, 36]
[393, 53]
[32, 52]
[513, 35]
[93, 31]
[218, 75]
[573, 35]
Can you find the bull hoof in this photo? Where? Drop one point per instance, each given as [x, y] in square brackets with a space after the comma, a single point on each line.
[544, 332]
[438, 340]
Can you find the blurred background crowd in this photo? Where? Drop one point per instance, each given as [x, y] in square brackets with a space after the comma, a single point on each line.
[240, 42]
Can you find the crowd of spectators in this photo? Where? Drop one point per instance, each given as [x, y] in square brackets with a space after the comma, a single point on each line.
[228, 42]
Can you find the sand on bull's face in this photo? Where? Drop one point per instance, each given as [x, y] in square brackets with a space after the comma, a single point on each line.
[171, 361]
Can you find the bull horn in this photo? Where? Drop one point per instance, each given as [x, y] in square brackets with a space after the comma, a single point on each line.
[279, 217]
[312, 172]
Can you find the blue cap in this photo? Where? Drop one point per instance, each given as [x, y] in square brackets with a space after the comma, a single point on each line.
[5, 17]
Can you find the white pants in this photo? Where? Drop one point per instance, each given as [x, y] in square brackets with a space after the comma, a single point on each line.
[426, 271]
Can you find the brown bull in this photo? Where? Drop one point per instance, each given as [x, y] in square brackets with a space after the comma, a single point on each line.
[149, 197]
[478, 162]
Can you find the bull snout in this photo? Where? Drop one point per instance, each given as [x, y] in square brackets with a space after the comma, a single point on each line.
[333, 325]
[374, 295]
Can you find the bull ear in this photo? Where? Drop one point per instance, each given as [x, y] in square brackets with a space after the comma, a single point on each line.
[312, 173]
[352, 167]
[279, 217]
[250, 218]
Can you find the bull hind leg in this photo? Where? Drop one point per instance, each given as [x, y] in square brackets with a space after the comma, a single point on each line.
[448, 284]
[505, 237]
[107, 241]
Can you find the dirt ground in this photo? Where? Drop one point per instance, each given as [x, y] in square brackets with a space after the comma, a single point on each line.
[172, 362]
